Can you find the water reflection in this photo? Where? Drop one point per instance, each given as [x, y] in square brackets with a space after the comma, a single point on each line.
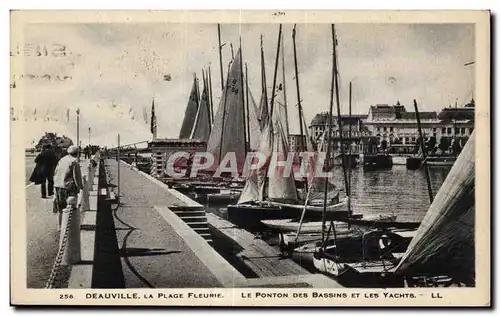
[397, 190]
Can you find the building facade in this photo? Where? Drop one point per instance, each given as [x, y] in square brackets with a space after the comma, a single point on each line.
[394, 129]
[361, 137]
[294, 143]
[397, 131]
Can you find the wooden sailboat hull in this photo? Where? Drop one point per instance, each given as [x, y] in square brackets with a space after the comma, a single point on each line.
[373, 162]
[441, 161]
[329, 266]
[384, 224]
[365, 255]
[250, 215]
[399, 160]
[292, 225]
[223, 198]
[413, 163]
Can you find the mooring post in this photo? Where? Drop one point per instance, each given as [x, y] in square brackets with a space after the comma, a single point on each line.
[70, 233]
[85, 197]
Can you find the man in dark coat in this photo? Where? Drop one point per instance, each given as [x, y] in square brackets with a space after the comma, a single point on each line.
[46, 163]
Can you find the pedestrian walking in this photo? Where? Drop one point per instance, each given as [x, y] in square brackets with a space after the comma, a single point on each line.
[43, 173]
[67, 180]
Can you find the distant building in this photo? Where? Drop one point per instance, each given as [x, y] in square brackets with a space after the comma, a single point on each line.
[359, 133]
[456, 123]
[397, 130]
[393, 128]
[294, 142]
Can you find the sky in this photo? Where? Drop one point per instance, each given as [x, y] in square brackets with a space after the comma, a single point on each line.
[114, 70]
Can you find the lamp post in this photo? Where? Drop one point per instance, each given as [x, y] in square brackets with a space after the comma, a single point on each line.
[471, 76]
[78, 131]
[89, 135]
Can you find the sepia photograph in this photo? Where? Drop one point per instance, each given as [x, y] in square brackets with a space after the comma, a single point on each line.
[250, 158]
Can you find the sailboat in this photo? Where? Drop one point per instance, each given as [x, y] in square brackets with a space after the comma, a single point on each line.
[444, 242]
[441, 251]
[228, 131]
[191, 111]
[201, 128]
[268, 192]
[275, 197]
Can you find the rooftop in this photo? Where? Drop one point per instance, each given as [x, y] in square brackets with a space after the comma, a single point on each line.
[322, 118]
[462, 113]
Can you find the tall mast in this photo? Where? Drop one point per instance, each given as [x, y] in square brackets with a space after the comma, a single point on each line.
[424, 152]
[243, 100]
[302, 145]
[224, 114]
[337, 99]
[350, 145]
[248, 103]
[220, 60]
[284, 85]
[263, 69]
[270, 117]
[328, 147]
[211, 97]
[275, 74]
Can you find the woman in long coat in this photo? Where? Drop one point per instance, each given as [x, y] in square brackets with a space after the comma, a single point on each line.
[43, 173]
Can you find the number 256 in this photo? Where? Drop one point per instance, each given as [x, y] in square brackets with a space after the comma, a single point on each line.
[65, 296]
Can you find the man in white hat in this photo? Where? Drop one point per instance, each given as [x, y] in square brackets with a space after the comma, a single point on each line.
[67, 179]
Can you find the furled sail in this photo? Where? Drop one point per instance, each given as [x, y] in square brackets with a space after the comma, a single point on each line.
[263, 111]
[253, 123]
[201, 128]
[190, 113]
[265, 148]
[228, 131]
[444, 242]
[280, 104]
[281, 186]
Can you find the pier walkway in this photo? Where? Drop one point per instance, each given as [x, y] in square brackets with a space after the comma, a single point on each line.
[154, 238]
[148, 250]
[156, 248]
[42, 234]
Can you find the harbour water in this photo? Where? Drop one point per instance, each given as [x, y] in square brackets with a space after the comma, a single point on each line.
[391, 191]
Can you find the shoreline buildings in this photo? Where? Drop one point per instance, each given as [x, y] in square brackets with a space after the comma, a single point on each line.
[393, 129]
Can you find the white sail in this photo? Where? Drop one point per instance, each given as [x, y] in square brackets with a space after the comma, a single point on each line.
[190, 113]
[265, 148]
[444, 242]
[145, 115]
[228, 131]
[250, 191]
[201, 128]
[254, 126]
[280, 102]
[263, 111]
[281, 187]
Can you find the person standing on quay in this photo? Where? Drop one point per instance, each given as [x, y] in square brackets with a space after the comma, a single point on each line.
[44, 170]
[67, 180]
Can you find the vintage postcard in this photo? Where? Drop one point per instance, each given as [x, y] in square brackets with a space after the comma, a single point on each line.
[250, 158]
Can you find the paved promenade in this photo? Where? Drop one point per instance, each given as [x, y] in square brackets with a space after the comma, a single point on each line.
[42, 235]
[150, 252]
